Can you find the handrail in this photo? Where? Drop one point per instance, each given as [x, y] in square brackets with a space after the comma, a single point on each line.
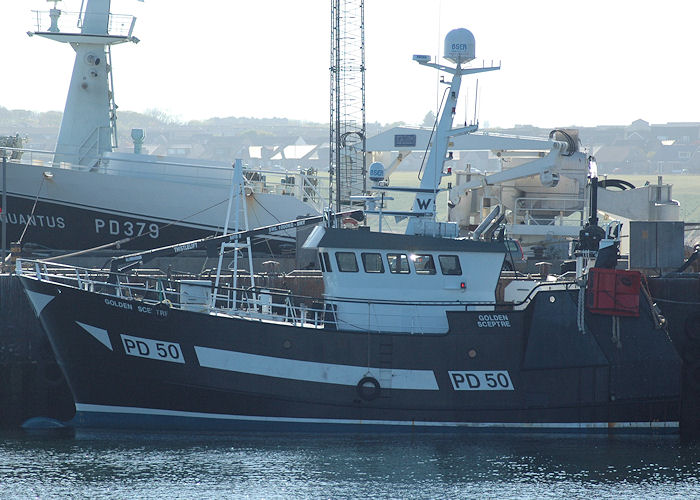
[254, 303]
[306, 187]
[215, 166]
[90, 144]
[121, 25]
[526, 211]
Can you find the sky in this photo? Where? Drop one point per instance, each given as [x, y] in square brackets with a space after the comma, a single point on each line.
[564, 63]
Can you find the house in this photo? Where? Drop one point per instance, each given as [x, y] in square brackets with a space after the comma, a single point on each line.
[676, 158]
[622, 158]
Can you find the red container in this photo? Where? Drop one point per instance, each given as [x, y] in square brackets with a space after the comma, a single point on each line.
[614, 292]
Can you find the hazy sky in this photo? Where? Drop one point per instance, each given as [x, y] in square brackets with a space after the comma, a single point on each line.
[563, 62]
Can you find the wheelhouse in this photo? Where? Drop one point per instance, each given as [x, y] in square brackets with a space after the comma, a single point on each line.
[376, 281]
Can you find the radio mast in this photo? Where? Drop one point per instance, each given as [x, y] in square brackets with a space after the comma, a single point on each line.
[347, 164]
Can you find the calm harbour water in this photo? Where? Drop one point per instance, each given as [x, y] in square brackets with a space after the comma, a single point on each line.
[120, 465]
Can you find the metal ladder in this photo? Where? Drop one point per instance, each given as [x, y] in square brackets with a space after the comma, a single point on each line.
[110, 94]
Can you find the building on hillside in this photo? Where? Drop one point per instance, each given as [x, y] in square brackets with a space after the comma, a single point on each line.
[623, 158]
[680, 132]
[676, 159]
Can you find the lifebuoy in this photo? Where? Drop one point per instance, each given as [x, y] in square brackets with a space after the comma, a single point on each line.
[350, 223]
[368, 388]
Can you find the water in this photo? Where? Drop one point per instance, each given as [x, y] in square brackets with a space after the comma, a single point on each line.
[110, 465]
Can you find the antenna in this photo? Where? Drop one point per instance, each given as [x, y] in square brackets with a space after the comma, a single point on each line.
[347, 165]
[476, 99]
[466, 107]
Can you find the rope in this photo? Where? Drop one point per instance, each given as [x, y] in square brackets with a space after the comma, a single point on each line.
[266, 240]
[616, 332]
[129, 239]
[659, 320]
[435, 124]
[581, 307]
[29, 219]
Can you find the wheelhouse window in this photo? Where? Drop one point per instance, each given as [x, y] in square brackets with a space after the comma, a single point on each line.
[423, 263]
[372, 262]
[347, 262]
[398, 263]
[327, 262]
[449, 265]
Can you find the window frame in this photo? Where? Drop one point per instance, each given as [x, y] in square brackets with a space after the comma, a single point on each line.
[424, 270]
[442, 268]
[327, 262]
[364, 262]
[340, 267]
[399, 255]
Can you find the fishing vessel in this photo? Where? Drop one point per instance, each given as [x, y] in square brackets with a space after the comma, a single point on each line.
[87, 194]
[414, 331]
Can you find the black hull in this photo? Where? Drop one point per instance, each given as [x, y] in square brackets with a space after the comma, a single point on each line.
[62, 227]
[239, 374]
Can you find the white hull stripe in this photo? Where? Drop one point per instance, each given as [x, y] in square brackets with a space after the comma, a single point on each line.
[127, 410]
[310, 371]
[99, 333]
[39, 300]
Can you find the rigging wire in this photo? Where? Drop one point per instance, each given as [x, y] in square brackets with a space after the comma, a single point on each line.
[432, 132]
[31, 215]
[267, 241]
[131, 238]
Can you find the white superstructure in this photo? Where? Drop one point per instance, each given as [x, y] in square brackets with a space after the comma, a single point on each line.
[94, 195]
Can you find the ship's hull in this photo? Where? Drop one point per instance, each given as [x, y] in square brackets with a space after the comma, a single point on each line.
[64, 209]
[132, 366]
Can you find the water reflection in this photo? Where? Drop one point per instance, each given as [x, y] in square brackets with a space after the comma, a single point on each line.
[106, 465]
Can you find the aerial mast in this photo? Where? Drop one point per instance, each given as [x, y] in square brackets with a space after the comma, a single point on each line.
[347, 164]
[88, 127]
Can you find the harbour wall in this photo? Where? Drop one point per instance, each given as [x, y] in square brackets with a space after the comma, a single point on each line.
[31, 382]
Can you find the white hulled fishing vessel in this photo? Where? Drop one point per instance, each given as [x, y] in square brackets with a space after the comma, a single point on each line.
[85, 194]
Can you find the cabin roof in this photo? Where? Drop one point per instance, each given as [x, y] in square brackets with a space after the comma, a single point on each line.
[365, 239]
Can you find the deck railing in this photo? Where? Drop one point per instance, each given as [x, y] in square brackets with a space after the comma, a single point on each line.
[72, 22]
[303, 184]
[253, 303]
[549, 211]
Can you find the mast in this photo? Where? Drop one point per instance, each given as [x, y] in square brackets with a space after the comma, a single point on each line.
[88, 126]
[459, 49]
[347, 159]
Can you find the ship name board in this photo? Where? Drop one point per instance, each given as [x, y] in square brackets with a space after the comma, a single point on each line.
[493, 321]
[36, 220]
[152, 349]
[119, 303]
[127, 228]
[493, 380]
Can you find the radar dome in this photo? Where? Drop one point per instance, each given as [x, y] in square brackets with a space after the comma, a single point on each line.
[376, 172]
[459, 46]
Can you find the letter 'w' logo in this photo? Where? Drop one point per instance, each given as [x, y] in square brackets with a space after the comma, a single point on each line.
[423, 204]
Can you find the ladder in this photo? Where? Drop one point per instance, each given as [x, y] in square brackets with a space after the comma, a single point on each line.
[110, 94]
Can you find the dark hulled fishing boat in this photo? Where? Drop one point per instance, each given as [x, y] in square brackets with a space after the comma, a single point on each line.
[417, 330]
